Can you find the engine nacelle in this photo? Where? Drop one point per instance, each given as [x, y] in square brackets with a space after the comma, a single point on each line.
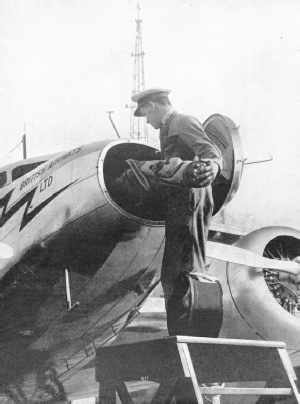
[258, 303]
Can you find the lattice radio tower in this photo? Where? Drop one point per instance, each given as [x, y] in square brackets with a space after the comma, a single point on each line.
[138, 126]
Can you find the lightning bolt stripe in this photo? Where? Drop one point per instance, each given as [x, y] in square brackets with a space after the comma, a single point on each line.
[27, 199]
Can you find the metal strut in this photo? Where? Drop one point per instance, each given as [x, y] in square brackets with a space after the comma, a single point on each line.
[112, 122]
[68, 292]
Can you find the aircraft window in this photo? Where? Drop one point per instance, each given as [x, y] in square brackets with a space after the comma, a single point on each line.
[3, 179]
[22, 170]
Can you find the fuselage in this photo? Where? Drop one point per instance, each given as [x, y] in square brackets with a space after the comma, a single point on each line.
[67, 214]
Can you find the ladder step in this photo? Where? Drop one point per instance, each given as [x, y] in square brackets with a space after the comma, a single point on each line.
[246, 391]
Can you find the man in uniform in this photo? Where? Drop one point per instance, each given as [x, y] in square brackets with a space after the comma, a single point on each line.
[190, 204]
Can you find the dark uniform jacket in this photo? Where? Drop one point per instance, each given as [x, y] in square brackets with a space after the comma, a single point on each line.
[183, 136]
[189, 211]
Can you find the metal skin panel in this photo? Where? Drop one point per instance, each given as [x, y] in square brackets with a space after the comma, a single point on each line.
[54, 217]
[59, 181]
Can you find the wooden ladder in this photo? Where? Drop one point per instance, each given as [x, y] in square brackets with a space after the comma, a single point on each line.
[188, 367]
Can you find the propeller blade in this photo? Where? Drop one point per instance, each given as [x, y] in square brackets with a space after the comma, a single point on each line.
[5, 251]
[236, 255]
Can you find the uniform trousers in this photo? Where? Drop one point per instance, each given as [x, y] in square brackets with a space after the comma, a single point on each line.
[188, 217]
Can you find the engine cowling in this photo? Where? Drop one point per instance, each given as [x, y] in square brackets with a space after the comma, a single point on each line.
[258, 303]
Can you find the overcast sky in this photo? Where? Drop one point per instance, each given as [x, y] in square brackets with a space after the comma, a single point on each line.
[65, 63]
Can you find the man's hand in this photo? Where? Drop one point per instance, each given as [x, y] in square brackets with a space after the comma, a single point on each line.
[200, 174]
[211, 171]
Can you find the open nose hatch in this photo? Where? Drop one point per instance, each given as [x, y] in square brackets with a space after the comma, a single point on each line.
[220, 129]
[149, 209]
